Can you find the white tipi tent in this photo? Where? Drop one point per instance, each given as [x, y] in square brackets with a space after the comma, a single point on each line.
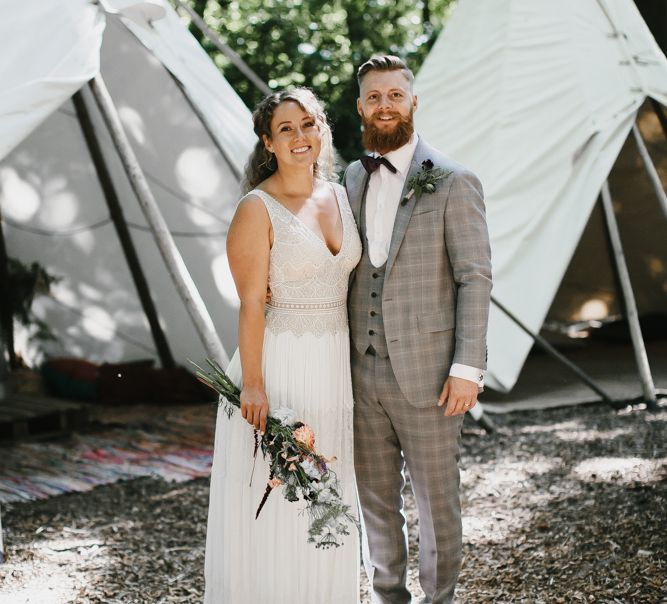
[191, 133]
[537, 97]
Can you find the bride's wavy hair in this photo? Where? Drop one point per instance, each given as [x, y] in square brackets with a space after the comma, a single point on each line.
[262, 163]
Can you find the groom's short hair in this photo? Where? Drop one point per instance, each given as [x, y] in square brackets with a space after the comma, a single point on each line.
[385, 63]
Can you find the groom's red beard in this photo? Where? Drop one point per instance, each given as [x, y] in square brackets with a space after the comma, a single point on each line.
[383, 141]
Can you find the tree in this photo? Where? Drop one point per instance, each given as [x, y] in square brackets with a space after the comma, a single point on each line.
[320, 45]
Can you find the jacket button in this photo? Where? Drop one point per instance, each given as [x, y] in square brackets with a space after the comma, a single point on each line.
[371, 332]
[375, 275]
[374, 295]
[373, 313]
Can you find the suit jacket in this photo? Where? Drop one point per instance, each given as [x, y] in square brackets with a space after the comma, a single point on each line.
[436, 295]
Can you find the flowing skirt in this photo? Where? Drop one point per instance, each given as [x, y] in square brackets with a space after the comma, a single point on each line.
[268, 560]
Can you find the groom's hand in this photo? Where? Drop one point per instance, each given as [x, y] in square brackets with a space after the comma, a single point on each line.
[458, 395]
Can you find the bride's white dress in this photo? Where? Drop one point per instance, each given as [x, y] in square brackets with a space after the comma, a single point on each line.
[306, 366]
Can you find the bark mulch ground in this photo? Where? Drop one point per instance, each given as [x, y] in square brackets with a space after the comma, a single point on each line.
[560, 506]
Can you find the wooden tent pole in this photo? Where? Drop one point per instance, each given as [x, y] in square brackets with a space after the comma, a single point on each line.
[116, 212]
[232, 166]
[185, 286]
[549, 349]
[648, 387]
[231, 54]
[6, 315]
[657, 109]
[650, 168]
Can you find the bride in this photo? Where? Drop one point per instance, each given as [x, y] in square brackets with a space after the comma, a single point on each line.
[293, 232]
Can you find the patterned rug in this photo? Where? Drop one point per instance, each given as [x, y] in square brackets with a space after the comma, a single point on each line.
[173, 443]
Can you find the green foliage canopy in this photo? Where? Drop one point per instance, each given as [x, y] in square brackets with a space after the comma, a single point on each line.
[319, 44]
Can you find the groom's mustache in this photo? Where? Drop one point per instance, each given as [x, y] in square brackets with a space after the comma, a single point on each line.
[375, 139]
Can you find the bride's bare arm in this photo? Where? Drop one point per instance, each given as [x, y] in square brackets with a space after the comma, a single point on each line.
[248, 249]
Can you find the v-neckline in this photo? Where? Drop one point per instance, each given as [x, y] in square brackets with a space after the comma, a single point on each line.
[313, 233]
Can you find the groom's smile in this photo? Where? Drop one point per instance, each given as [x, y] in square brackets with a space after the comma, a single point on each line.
[386, 120]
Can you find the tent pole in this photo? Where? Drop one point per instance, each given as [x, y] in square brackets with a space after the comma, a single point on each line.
[232, 55]
[648, 386]
[173, 260]
[214, 140]
[116, 212]
[2, 546]
[6, 315]
[650, 168]
[657, 108]
[549, 349]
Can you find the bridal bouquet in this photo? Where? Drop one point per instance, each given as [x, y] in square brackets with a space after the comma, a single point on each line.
[294, 464]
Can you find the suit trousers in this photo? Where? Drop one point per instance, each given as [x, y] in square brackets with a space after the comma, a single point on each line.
[389, 434]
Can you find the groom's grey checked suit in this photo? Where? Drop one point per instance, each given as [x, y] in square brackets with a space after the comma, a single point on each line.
[410, 319]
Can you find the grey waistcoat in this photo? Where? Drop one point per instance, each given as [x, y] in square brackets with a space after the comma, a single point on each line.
[366, 325]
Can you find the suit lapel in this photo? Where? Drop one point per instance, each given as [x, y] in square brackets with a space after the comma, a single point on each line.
[358, 187]
[404, 212]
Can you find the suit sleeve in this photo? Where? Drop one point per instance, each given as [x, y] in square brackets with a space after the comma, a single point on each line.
[467, 242]
[343, 178]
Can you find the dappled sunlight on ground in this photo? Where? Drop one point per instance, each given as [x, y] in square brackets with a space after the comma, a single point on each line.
[559, 506]
[591, 435]
[626, 470]
[54, 572]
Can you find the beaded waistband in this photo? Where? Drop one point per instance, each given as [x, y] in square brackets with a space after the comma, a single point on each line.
[306, 306]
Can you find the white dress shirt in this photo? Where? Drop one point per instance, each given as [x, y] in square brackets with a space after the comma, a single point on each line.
[382, 199]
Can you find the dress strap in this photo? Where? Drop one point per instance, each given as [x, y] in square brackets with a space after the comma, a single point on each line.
[279, 215]
[269, 202]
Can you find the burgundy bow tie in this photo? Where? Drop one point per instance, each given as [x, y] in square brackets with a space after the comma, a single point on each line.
[371, 164]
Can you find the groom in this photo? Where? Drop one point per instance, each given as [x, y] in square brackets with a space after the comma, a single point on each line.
[418, 308]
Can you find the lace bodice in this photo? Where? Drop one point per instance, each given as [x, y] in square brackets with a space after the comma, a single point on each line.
[308, 283]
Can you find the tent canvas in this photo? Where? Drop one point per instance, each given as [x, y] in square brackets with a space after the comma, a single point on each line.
[538, 98]
[192, 135]
[588, 287]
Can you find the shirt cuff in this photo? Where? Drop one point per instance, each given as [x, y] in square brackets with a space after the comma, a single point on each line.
[466, 372]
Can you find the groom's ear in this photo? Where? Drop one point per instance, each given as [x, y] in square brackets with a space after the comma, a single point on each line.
[359, 107]
[414, 102]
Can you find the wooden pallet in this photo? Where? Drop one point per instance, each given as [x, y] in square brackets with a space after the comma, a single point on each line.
[31, 417]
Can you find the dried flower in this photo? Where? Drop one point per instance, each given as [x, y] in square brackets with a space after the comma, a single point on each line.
[305, 435]
[311, 468]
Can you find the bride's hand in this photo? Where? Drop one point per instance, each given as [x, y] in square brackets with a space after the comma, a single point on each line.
[255, 407]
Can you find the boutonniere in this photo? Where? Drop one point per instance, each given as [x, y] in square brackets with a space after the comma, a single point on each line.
[425, 180]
